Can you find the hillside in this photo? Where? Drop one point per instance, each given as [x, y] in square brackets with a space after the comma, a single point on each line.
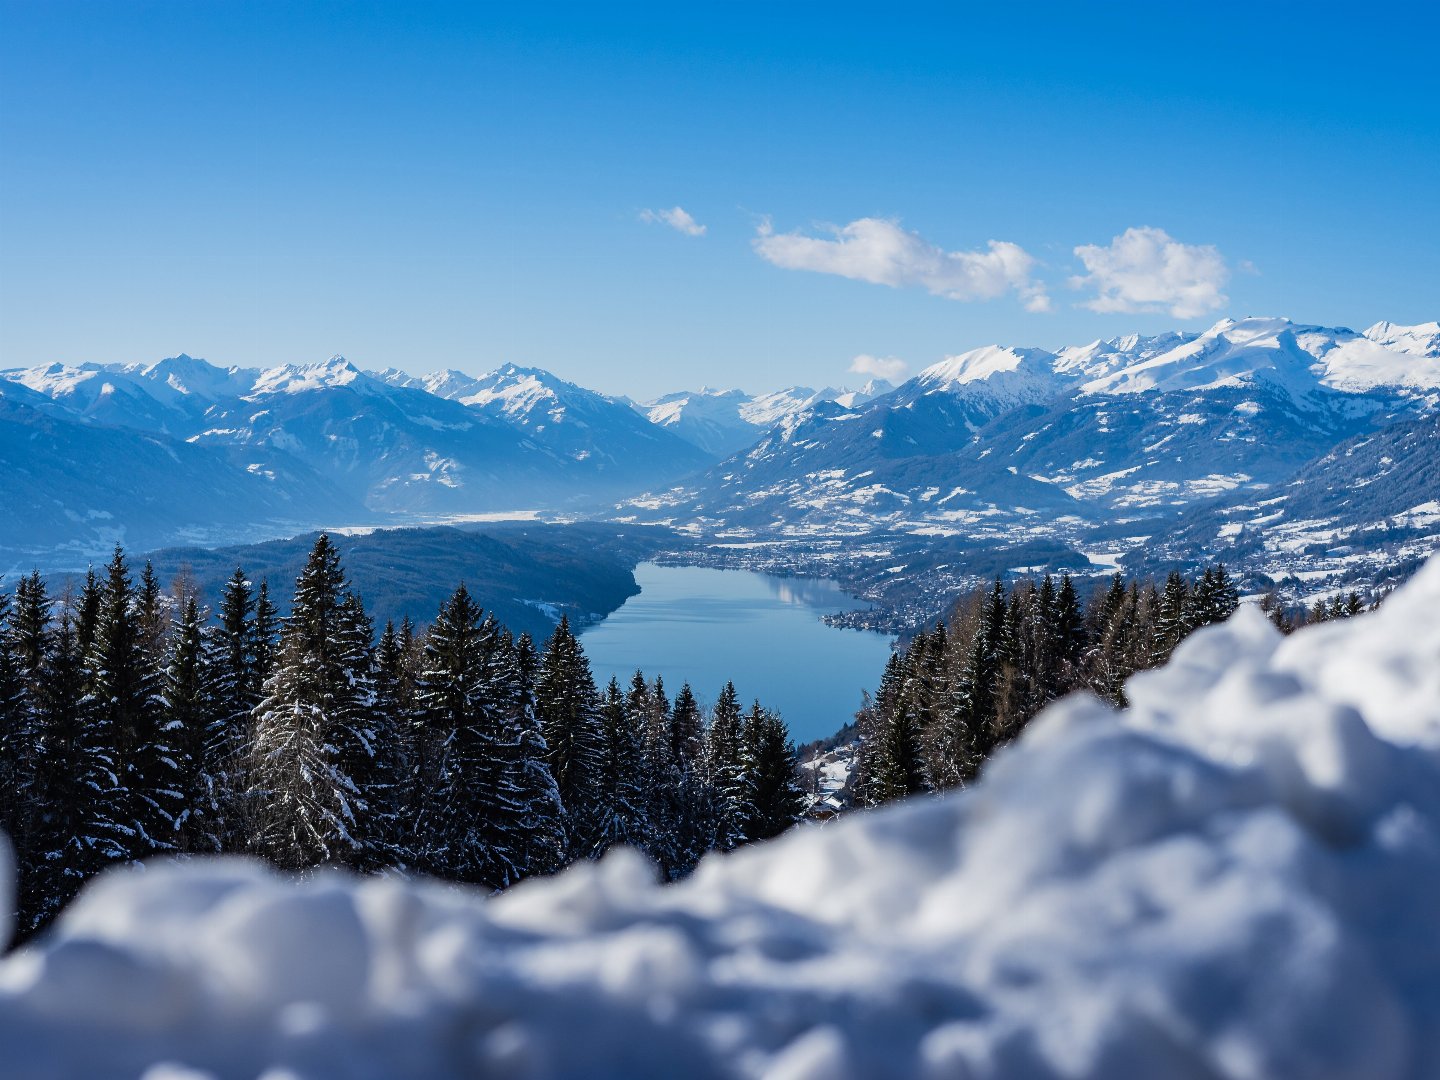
[525, 575]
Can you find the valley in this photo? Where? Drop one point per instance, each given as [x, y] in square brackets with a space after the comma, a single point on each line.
[1302, 456]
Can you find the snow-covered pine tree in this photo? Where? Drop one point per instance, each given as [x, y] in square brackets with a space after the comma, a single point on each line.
[1172, 619]
[264, 639]
[979, 681]
[449, 744]
[25, 638]
[687, 730]
[530, 824]
[695, 818]
[568, 708]
[124, 698]
[28, 629]
[775, 799]
[1042, 628]
[649, 711]
[150, 618]
[893, 763]
[76, 831]
[307, 810]
[1070, 633]
[622, 797]
[393, 840]
[725, 769]
[16, 734]
[236, 686]
[188, 689]
[363, 755]
[1112, 660]
[87, 611]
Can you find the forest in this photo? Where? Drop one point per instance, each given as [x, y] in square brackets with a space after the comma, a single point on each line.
[134, 724]
[969, 684]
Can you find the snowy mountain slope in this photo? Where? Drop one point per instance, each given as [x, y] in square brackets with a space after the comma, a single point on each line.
[607, 438]
[709, 419]
[75, 488]
[1422, 339]
[322, 437]
[830, 468]
[993, 379]
[1304, 360]
[1166, 449]
[1102, 357]
[1233, 879]
[1149, 425]
[1368, 505]
[724, 422]
[390, 448]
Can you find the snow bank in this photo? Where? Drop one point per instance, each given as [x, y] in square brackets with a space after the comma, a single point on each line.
[1237, 878]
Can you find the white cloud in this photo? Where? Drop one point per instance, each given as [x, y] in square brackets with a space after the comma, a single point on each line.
[889, 368]
[1145, 269]
[676, 218]
[880, 251]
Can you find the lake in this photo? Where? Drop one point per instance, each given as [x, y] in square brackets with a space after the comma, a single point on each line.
[702, 626]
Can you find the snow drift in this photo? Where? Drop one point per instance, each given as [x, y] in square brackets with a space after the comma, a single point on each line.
[1235, 878]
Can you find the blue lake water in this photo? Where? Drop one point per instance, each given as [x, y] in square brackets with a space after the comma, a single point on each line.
[702, 626]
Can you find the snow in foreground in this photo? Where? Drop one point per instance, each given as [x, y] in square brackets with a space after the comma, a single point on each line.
[1238, 878]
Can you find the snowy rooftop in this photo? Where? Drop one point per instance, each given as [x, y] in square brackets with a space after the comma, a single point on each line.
[1236, 878]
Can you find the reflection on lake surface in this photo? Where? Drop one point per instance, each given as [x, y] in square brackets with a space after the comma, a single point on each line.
[702, 626]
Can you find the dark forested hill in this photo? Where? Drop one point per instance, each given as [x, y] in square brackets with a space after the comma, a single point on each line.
[526, 575]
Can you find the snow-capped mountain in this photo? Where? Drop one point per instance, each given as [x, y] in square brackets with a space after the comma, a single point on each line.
[603, 437]
[994, 441]
[713, 420]
[1141, 425]
[73, 486]
[302, 445]
[1423, 339]
[723, 422]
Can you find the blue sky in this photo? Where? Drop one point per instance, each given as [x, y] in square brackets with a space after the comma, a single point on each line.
[433, 185]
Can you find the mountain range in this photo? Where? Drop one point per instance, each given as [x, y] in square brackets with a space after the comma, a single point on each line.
[184, 451]
[1159, 442]
[1152, 448]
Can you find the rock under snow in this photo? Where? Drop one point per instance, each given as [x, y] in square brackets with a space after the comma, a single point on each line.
[1235, 878]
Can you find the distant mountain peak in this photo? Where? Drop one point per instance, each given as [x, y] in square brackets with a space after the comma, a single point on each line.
[984, 363]
[298, 378]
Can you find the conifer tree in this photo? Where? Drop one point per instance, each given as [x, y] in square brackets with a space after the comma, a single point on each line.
[1172, 620]
[307, 809]
[975, 706]
[28, 629]
[694, 826]
[395, 725]
[150, 620]
[1069, 632]
[568, 708]
[77, 829]
[687, 731]
[537, 826]
[87, 612]
[190, 706]
[457, 776]
[264, 640]
[124, 698]
[236, 685]
[775, 799]
[16, 735]
[622, 796]
[725, 769]
[894, 751]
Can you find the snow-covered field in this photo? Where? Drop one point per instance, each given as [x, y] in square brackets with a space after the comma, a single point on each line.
[1237, 878]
